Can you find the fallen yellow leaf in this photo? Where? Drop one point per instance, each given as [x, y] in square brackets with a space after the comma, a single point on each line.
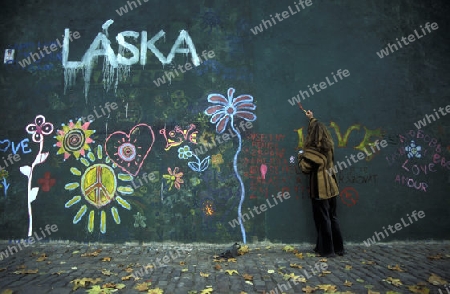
[348, 283]
[206, 291]
[419, 289]
[327, 288]
[7, 291]
[43, 257]
[92, 254]
[26, 271]
[348, 267]
[395, 268]
[270, 271]
[84, 282]
[129, 277]
[204, 275]
[436, 280]
[299, 255]
[395, 282]
[106, 258]
[141, 287]
[247, 277]
[288, 248]
[106, 272]
[308, 289]
[155, 291]
[231, 272]
[243, 250]
[294, 265]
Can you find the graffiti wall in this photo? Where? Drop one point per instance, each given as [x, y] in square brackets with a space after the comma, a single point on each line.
[183, 122]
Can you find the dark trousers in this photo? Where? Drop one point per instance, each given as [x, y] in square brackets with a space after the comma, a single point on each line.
[329, 237]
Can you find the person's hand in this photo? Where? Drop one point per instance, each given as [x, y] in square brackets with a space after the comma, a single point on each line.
[309, 114]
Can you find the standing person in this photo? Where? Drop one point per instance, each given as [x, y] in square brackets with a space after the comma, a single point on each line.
[316, 159]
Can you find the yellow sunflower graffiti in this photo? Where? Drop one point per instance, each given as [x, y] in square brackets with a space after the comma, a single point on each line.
[74, 138]
[99, 188]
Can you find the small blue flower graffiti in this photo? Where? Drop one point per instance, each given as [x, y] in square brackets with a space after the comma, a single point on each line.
[184, 152]
[413, 150]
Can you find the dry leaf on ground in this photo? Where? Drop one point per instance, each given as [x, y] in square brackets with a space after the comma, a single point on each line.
[106, 258]
[395, 282]
[43, 257]
[97, 290]
[247, 277]
[106, 272]
[204, 275]
[435, 257]
[26, 271]
[396, 268]
[372, 292]
[436, 280]
[348, 267]
[299, 255]
[327, 288]
[7, 291]
[348, 283]
[206, 291]
[369, 262]
[142, 286]
[92, 254]
[129, 277]
[243, 250]
[419, 289]
[231, 272]
[294, 265]
[308, 289]
[217, 267]
[155, 291]
[84, 282]
[288, 248]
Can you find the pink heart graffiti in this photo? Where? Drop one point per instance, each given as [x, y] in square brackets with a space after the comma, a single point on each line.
[129, 151]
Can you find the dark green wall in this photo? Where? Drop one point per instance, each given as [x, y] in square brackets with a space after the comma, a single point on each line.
[381, 99]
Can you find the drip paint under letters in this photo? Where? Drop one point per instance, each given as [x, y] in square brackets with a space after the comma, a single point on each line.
[115, 67]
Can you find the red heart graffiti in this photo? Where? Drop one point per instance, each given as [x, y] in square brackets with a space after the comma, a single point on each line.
[129, 151]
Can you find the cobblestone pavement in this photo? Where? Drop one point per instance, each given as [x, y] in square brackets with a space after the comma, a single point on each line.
[182, 268]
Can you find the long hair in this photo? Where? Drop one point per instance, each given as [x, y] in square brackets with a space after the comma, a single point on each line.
[319, 137]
